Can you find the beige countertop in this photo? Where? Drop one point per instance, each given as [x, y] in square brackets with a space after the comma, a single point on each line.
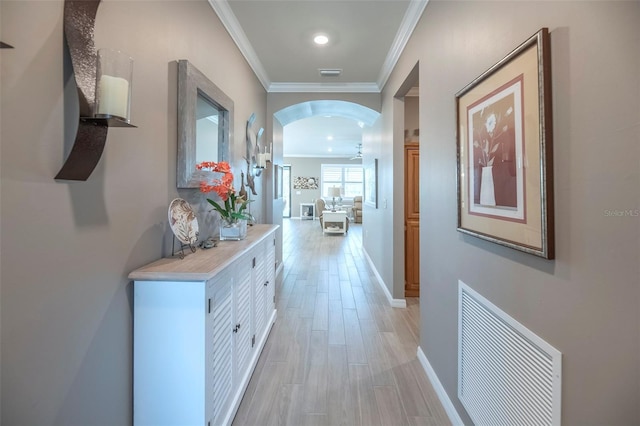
[203, 264]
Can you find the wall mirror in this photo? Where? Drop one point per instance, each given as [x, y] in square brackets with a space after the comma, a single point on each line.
[205, 124]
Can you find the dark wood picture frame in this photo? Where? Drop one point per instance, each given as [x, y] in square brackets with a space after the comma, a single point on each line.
[505, 151]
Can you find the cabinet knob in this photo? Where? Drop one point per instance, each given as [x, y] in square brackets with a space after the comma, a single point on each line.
[266, 283]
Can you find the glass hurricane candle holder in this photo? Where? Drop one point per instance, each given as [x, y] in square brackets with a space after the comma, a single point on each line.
[113, 85]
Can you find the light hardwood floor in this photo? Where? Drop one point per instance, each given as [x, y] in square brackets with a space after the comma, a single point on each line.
[338, 354]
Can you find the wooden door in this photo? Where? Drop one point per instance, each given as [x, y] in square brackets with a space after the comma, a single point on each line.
[412, 219]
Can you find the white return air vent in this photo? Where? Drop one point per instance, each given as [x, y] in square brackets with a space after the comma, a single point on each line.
[506, 374]
[335, 72]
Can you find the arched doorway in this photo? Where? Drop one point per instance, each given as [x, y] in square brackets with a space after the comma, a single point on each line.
[300, 108]
[307, 124]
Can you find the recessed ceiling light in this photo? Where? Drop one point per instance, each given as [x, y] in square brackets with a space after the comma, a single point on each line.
[330, 149]
[329, 138]
[321, 39]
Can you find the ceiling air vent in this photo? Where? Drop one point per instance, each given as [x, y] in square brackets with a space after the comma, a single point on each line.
[330, 72]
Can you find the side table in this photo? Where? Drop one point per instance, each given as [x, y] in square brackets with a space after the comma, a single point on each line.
[334, 222]
[307, 211]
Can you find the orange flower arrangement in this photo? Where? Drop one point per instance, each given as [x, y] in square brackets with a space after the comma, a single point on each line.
[234, 205]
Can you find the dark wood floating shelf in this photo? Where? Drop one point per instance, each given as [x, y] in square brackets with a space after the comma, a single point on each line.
[88, 147]
[107, 121]
[5, 45]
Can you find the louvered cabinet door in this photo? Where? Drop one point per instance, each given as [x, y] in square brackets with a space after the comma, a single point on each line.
[271, 277]
[219, 347]
[242, 318]
[259, 292]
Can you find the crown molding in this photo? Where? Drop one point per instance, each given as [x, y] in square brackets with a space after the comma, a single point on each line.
[230, 22]
[409, 22]
[342, 156]
[323, 88]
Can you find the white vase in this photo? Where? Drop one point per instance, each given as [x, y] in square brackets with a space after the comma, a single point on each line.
[233, 230]
[487, 191]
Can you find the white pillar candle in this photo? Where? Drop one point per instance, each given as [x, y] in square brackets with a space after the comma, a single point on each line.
[113, 96]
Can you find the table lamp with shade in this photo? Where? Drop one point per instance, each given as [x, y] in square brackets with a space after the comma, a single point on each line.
[334, 192]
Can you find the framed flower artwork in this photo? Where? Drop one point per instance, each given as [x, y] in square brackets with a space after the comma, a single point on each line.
[504, 143]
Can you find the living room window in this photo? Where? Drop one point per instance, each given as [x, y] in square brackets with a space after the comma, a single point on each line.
[349, 177]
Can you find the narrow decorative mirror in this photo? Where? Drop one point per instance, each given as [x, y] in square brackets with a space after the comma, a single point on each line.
[205, 124]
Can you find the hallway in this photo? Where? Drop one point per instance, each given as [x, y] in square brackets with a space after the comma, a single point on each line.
[338, 354]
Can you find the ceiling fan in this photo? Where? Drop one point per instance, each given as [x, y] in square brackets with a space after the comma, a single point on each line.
[358, 156]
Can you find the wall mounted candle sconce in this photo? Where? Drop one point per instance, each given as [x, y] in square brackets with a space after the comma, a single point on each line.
[257, 156]
[262, 156]
[252, 155]
[103, 80]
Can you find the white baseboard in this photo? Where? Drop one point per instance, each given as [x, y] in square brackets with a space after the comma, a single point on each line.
[395, 303]
[437, 386]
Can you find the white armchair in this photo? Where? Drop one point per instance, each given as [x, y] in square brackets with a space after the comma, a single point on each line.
[357, 209]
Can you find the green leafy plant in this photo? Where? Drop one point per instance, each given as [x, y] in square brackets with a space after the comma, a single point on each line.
[235, 205]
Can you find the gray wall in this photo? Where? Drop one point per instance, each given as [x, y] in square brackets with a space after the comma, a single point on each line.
[586, 302]
[274, 207]
[309, 167]
[411, 116]
[67, 247]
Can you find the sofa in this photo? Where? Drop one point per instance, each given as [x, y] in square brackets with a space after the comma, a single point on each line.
[357, 209]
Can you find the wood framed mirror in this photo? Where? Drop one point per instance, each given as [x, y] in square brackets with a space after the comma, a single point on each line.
[205, 124]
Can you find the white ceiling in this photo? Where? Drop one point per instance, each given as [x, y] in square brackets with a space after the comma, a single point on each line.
[366, 37]
[322, 136]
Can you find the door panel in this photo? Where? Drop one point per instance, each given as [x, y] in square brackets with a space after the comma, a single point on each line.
[412, 220]
[219, 343]
[242, 318]
[259, 292]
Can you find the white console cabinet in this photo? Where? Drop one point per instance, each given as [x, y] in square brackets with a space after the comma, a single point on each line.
[199, 326]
